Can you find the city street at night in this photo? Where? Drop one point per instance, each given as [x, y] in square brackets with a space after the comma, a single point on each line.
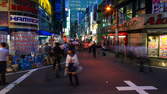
[83, 46]
[101, 75]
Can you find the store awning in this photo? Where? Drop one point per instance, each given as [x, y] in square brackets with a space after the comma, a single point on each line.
[46, 33]
[119, 34]
[4, 29]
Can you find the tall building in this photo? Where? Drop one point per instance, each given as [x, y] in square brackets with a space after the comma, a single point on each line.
[75, 6]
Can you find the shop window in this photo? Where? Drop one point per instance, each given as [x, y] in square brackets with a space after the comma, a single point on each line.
[142, 4]
[129, 11]
[153, 46]
[137, 43]
[121, 15]
[163, 46]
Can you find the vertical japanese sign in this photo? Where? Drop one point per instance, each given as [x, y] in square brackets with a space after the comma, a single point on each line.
[4, 5]
[3, 18]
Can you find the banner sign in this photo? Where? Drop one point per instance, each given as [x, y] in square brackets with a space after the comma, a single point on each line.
[23, 19]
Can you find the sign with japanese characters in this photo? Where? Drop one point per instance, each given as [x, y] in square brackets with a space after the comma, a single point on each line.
[156, 20]
[3, 5]
[3, 18]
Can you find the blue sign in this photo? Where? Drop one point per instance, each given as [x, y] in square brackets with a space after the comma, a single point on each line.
[23, 19]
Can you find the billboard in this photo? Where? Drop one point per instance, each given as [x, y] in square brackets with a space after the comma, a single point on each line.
[159, 6]
[46, 5]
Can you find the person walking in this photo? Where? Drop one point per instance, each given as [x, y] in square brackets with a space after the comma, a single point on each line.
[72, 65]
[47, 51]
[4, 53]
[57, 52]
[94, 49]
[103, 49]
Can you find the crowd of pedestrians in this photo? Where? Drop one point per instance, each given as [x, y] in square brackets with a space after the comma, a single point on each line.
[54, 54]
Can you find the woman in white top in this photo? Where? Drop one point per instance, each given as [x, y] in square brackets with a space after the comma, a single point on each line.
[72, 64]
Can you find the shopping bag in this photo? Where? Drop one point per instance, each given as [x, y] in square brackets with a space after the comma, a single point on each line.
[79, 69]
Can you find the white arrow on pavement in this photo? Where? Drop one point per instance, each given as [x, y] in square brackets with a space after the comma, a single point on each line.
[139, 89]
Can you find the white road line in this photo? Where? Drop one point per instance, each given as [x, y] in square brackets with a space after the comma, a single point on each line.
[13, 84]
[8, 74]
[17, 72]
[139, 89]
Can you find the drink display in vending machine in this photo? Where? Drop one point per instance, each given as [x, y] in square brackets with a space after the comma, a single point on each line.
[24, 42]
[3, 38]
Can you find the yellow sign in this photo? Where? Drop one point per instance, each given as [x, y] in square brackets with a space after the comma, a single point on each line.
[45, 4]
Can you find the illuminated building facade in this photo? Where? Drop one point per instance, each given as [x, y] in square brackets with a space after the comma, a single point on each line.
[21, 21]
[141, 29]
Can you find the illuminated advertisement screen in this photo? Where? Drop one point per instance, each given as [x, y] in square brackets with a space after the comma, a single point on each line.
[163, 46]
[153, 46]
[159, 6]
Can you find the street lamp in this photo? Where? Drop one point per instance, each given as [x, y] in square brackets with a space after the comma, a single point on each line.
[110, 10]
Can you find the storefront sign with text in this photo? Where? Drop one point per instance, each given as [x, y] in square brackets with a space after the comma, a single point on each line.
[23, 19]
[156, 20]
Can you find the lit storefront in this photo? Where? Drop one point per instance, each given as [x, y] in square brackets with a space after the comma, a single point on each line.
[23, 24]
[157, 35]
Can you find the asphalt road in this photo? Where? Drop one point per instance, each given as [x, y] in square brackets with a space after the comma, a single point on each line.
[101, 75]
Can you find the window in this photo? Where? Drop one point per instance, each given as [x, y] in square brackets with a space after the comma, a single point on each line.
[129, 11]
[142, 4]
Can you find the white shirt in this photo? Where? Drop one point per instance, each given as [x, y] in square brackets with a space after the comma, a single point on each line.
[4, 53]
[74, 60]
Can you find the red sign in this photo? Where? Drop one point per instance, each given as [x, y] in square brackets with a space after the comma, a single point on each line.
[156, 19]
[133, 24]
[23, 8]
[25, 5]
[3, 3]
